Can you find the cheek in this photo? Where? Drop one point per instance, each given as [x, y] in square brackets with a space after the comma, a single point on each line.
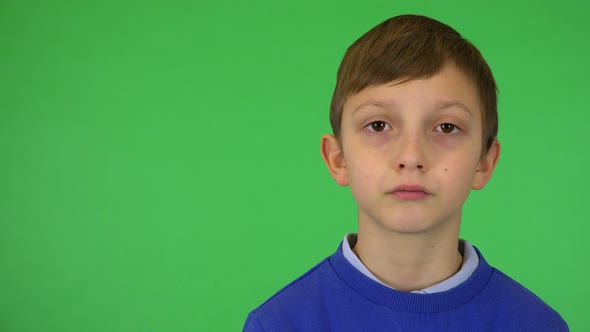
[363, 169]
[459, 174]
[455, 153]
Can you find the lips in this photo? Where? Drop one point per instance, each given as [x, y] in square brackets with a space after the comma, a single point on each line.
[410, 192]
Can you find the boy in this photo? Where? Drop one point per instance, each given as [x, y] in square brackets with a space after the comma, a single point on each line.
[415, 121]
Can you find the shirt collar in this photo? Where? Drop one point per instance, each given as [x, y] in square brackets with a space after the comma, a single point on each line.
[470, 263]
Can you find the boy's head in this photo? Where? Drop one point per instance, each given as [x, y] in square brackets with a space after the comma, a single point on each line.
[414, 120]
[410, 47]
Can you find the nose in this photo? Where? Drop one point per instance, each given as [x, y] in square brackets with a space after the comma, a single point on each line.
[409, 153]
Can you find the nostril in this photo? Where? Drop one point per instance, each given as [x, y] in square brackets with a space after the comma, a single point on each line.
[419, 166]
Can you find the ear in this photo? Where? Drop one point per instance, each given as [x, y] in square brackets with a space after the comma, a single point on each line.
[334, 159]
[486, 166]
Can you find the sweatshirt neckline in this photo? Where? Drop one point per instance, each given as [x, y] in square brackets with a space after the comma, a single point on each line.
[411, 302]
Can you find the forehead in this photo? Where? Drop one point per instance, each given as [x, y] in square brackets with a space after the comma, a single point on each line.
[449, 87]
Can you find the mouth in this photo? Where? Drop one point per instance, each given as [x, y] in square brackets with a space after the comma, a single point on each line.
[410, 192]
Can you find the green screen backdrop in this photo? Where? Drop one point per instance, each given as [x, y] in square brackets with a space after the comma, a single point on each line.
[160, 165]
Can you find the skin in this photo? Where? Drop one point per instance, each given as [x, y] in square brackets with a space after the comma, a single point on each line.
[425, 132]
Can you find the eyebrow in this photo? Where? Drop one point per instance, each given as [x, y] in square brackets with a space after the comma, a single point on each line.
[373, 103]
[440, 105]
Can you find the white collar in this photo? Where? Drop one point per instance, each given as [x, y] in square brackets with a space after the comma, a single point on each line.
[470, 263]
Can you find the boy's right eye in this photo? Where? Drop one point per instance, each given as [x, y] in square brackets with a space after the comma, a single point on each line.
[377, 126]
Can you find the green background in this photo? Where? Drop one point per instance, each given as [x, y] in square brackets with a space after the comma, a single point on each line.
[160, 165]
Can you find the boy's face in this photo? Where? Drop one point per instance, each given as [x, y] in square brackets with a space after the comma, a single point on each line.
[411, 152]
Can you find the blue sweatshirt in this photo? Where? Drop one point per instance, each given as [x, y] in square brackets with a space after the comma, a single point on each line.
[335, 296]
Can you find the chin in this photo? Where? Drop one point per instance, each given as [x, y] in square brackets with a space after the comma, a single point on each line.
[407, 224]
[414, 220]
[408, 228]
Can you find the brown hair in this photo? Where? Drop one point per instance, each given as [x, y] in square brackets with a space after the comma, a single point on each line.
[409, 47]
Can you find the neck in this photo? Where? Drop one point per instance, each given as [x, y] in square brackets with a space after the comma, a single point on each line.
[410, 261]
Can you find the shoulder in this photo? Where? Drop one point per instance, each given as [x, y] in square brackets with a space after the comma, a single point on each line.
[298, 289]
[299, 298]
[510, 299]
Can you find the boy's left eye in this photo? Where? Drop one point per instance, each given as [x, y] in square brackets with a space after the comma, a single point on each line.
[447, 128]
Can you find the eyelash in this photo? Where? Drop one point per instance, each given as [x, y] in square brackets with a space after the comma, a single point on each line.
[373, 131]
[455, 128]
